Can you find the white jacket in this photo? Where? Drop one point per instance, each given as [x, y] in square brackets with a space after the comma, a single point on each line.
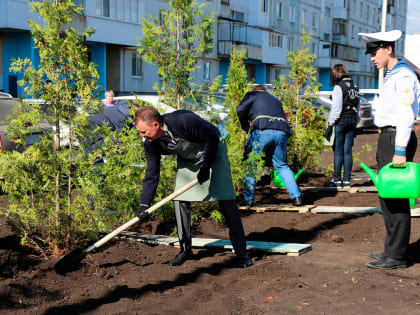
[399, 103]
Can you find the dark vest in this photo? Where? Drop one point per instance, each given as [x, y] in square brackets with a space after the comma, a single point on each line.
[351, 98]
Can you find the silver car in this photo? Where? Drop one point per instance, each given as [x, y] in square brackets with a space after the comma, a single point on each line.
[365, 112]
[7, 103]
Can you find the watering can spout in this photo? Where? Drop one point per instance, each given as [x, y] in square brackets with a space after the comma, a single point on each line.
[371, 173]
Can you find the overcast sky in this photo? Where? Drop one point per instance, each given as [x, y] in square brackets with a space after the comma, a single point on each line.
[413, 16]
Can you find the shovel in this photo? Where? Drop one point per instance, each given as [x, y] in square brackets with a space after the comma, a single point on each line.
[75, 256]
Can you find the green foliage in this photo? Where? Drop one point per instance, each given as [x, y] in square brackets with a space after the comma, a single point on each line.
[237, 87]
[298, 94]
[175, 44]
[58, 197]
[217, 216]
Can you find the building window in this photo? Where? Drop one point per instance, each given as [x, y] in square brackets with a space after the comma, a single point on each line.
[367, 12]
[326, 37]
[352, 32]
[237, 16]
[314, 20]
[206, 71]
[276, 73]
[361, 10]
[136, 65]
[122, 10]
[314, 49]
[264, 5]
[276, 40]
[339, 27]
[327, 11]
[279, 10]
[304, 16]
[291, 43]
[292, 14]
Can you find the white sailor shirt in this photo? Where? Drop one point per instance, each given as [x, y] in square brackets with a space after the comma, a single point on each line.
[398, 104]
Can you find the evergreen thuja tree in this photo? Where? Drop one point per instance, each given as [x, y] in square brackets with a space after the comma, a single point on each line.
[48, 207]
[298, 95]
[175, 43]
[237, 87]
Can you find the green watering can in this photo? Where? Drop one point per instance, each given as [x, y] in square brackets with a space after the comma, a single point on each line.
[277, 181]
[393, 182]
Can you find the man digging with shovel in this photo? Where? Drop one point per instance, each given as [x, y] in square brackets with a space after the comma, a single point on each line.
[201, 155]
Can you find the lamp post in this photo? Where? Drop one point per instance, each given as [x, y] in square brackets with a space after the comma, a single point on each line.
[383, 29]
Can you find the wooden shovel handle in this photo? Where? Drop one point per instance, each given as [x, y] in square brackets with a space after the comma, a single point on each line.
[126, 225]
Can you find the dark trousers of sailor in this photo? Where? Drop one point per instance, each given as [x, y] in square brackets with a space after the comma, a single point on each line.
[229, 210]
[396, 212]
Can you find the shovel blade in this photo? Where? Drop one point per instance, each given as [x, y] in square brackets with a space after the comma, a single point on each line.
[70, 261]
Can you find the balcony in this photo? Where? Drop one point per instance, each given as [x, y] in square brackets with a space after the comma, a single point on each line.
[344, 52]
[331, 53]
[240, 35]
[340, 13]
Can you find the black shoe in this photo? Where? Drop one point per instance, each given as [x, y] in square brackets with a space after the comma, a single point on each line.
[387, 263]
[379, 256]
[297, 202]
[181, 258]
[244, 261]
[335, 184]
[346, 184]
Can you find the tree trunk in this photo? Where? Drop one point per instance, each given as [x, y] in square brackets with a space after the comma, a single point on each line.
[58, 172]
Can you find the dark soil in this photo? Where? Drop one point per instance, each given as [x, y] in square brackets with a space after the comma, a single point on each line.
[127, 277]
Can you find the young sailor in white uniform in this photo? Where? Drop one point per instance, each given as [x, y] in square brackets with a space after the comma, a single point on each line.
[397, 143]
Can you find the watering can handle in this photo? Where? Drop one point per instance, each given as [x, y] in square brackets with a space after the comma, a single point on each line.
[402, 165]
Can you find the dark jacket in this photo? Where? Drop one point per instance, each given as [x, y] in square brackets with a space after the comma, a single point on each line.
[115, 116]
[351, 98]
[261, 103]
[184, 124]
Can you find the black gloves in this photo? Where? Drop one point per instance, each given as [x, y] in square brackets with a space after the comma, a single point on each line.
[328, 132]
[203, 174]
[142, 214]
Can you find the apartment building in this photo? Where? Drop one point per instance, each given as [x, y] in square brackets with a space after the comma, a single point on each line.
[266, 29]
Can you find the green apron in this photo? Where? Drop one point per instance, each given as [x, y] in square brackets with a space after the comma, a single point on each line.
[190, 156]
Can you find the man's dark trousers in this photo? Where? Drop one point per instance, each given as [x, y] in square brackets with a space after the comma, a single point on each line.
[396, 212]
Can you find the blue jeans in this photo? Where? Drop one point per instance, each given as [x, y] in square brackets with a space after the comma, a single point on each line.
[345, 130]
[274, 144]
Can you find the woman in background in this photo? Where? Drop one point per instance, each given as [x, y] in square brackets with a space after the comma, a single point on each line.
[344, 115]
[109, 98]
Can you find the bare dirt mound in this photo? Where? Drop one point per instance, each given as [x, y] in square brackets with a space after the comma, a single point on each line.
[132, 277]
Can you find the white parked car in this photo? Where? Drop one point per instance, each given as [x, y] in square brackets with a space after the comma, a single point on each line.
[372, 96]
[365, 112]
[205, 110]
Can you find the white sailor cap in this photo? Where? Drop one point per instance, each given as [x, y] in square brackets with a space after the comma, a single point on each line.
[374, 41]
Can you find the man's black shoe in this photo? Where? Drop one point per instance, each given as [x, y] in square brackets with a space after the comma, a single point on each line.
[387, 263]
[379, 256]
[244, 261]
[297, 202]
[181, 258]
